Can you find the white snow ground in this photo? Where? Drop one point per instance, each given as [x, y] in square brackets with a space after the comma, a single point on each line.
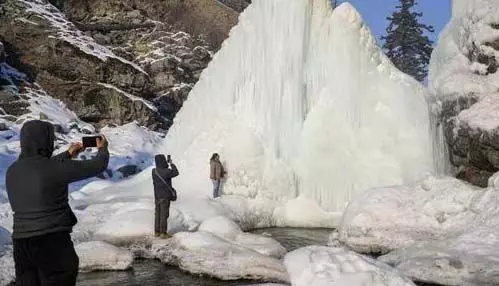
[328, 266]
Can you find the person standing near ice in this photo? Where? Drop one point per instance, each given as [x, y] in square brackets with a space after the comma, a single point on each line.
[164, 193]
[37, 186]
[217, 173]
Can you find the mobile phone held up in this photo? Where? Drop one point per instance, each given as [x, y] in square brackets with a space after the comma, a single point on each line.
[90, 141]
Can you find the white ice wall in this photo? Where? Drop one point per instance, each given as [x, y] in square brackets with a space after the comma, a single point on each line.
[301, 101]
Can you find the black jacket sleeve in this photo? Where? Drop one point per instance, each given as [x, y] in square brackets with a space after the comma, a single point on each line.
[72, 171]
[167, 173]
[62, 156]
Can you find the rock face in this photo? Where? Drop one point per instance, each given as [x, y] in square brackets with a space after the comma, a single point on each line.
[100, 86]
[112, 62]
[463, 77]
[210, 18]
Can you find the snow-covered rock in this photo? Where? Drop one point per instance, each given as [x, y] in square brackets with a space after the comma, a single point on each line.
[463, 79]
[229, 230]
[97, 255]
[204, 253]
[441, 231]
[470, 259]
[321, 266]
[389, 218]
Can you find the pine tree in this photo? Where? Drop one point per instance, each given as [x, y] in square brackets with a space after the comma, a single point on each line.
[405, 42]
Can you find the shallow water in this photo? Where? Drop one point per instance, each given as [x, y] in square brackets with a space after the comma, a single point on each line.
[151, 272]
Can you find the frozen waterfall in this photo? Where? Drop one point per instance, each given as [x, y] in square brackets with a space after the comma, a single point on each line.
[300, 101]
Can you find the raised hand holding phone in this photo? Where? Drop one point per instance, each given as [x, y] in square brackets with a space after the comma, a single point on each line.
[101, 142]
[75, 149]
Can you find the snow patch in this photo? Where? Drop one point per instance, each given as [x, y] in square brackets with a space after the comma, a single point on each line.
[389, 218]
[321, 266]
[97, 255]
[230, 231]
[130, 96]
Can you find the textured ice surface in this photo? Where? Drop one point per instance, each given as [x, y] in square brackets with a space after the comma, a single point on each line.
[281, 102]
[327, 266]
[7, 271]
[230, 231]
[204, 253]
[97, 255]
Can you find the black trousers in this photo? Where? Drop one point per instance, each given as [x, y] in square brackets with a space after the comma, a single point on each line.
[48, 260]
[161, 214]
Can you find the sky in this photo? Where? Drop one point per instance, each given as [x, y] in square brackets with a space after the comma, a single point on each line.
[435, 12]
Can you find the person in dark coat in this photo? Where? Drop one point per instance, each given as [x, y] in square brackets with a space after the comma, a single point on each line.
[162, 179]
[37, 187]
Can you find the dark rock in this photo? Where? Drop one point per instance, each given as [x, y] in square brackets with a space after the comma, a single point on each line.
[12, 104]
[238, 5]
[128, 170]
[86, 131]
[59, 129]
[3, 126]
[207, 17]
[9, 118]
[107, 174]
[2, 53]
[474, 175]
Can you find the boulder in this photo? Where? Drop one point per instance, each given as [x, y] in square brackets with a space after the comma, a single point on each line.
[128, 170]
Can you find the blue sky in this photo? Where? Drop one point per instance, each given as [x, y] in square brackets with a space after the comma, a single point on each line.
[435, 12]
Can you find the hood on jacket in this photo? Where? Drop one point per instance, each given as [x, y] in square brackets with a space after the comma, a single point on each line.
[161, 161]
[37, 139]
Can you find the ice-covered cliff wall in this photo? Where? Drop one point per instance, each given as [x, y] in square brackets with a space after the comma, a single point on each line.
[463, 77]
[301, 101]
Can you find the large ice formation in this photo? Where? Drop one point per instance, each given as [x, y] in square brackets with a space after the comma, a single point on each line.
[301, 102]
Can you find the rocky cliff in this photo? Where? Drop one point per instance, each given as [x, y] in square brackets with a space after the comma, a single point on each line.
[113, 62]
[464, 78]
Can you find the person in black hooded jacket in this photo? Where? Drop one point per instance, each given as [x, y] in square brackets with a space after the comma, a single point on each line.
[162, 179]
[37, 187]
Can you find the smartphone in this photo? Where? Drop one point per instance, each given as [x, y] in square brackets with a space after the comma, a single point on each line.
[90, 141]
